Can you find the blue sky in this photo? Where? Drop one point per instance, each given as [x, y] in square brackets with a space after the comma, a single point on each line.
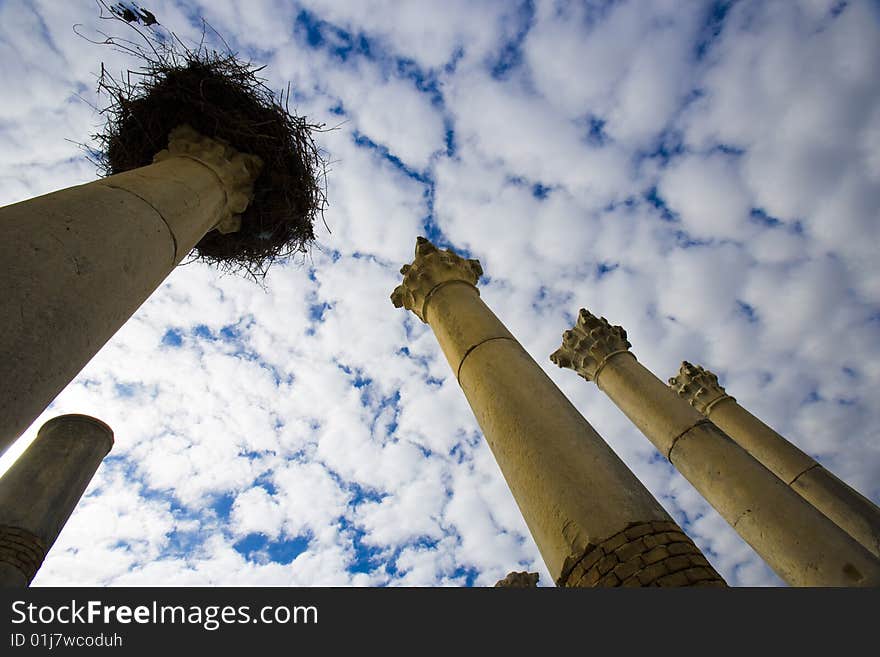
[708, 178]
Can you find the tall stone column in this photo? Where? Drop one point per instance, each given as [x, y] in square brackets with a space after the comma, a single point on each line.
[592, 519]
[850, 510]
[800, 544]
[78, 262]
[41, 489]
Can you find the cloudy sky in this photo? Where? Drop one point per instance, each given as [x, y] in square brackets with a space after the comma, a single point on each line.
[706, 174]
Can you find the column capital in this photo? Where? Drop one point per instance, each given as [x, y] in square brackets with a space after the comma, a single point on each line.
[518, 580]
[430, 269]
[236, 171]
[589, 344]
[698, 386]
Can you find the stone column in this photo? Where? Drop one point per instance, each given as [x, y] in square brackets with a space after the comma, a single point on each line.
[854, 513]
[593, 521]
[800, 544]
[41, 489]
[78, 262]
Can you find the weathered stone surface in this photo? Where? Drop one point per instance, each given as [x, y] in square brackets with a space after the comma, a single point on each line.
[633, 564]
[572, 489]
[800, 544]
[609, 580]
[432, 268]
[797, 541]
[606, 563]
[518, 580]
[589, 344]
[614, 542]
[590, 578]
[675, 537]
[624, 570]
[576, 573]
[698, 386]
[847, 508]
[677, 562]
[631, 549]
[592, 558]
[698, 560]
[675, 579]
[40, 490]
[639, 530]
[647, 401]
[23, 551]
[236, 171]
[649, 574]
[579, 500]
[80, 261]
[698, 574]
[659, 553]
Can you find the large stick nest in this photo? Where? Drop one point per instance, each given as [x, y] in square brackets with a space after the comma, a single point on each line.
[222, 97]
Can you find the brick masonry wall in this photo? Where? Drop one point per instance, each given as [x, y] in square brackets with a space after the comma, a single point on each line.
[644, 554]
[21, 549]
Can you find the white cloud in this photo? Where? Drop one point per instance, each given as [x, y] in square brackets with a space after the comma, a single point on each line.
[709, 196]
[427, 32]
[315, 413]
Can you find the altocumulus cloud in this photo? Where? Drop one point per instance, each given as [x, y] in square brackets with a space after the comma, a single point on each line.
[707, 178]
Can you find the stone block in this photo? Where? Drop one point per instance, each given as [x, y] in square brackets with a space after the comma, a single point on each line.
[614, 542]
[665, 526]
[592, 557]
[630, 550]
[678, 563]
[657, 554]
[638, 531]
[698, 560]
[698, 574]
[576, 573]
[675, 579]
[590, 578]
[629, 568]
[606, 563]
[650, 573]
[609, 580]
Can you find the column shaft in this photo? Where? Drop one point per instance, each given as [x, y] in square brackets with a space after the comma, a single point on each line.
[78, 262]
[800, 544]
[850, 510]
[42, 488]
[592, 519]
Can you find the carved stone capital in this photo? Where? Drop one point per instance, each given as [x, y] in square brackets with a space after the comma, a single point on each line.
[589, 344]
[698, 386]
[236, 171]
[430, 269]
[518, 580]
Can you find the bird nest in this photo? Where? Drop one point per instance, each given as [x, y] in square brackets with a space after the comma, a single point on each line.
[221, 97]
